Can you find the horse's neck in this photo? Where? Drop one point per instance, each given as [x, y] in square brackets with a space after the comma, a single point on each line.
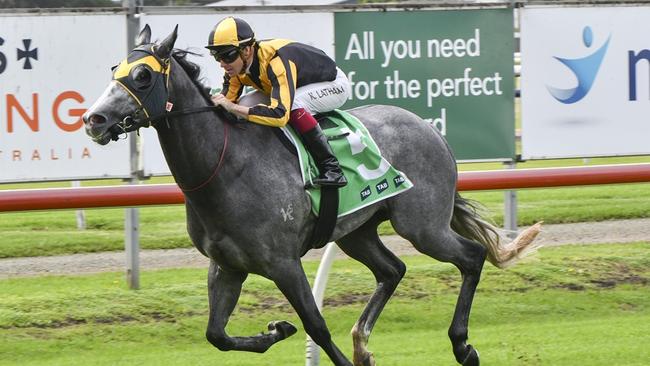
[192, 143]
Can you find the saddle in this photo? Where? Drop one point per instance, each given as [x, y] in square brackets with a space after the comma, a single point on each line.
[370, 177]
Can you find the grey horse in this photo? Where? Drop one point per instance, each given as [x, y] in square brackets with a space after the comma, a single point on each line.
[238, 179]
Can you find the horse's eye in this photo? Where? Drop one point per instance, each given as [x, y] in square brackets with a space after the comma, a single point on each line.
[141, 77]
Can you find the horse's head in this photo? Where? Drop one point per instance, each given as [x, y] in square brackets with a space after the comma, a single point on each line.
[137, 92]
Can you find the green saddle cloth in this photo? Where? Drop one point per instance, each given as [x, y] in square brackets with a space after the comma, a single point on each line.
[370, 177]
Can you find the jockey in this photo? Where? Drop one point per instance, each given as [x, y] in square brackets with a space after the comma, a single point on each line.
[299, 80]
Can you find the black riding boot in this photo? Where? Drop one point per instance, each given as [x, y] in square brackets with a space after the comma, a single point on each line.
[330, 170]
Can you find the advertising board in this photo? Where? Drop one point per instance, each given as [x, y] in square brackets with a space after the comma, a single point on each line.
[454, 68]
[52, 68]
[585, 81]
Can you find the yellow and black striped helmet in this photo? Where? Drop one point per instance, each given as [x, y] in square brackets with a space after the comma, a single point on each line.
[231, 32]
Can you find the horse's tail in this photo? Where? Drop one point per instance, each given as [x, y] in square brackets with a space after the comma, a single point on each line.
[468, 222]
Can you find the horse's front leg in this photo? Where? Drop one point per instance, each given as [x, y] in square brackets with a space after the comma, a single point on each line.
[224, 288]
[292, 281]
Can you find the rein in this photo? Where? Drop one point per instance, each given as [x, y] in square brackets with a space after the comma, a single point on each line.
[130, 124]
[217, 168]
[149, 121]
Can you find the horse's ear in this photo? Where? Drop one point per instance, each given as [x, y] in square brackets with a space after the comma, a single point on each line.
[144, 37]
[167, 45]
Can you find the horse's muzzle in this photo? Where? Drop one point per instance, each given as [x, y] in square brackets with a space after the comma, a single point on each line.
[97, 129]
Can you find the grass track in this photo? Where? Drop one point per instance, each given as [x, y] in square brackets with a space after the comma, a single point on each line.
[572, 305]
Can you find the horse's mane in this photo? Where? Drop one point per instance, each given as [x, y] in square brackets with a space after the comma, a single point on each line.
[194, 71]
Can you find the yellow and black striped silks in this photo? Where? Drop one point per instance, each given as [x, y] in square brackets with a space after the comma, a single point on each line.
[279, 66]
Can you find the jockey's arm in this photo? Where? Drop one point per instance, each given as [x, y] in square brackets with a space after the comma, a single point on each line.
[234, 108]
[230, 93]
[232, 88]
[283, 86]
[276, 114]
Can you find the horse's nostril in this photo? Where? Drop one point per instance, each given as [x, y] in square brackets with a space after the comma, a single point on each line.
[97, 119]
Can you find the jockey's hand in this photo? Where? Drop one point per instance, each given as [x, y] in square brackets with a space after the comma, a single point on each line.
[220, 99]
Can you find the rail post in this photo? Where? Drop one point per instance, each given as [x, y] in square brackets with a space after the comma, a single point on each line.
[132, 214]
[318, 290]
[81, 214]
[510, 207]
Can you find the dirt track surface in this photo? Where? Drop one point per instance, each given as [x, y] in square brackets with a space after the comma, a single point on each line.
[622, 231]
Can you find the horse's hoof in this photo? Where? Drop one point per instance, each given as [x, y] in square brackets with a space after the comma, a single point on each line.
[283, 327]
[366, 359]
[369, 360]
[472, 358]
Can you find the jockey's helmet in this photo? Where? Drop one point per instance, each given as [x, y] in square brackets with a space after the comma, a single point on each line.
[230, 32]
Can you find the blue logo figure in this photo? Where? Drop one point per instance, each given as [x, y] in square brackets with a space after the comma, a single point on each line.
[585, 70]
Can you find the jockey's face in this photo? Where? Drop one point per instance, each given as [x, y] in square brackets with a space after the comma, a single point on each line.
[236, 66]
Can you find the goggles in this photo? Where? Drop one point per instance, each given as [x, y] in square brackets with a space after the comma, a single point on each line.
[227, 56]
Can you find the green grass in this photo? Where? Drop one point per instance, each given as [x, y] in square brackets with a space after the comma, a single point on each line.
[571, 305]
[55, 232]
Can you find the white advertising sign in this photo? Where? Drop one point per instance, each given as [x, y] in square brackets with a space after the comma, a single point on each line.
[52, 68]
[316, 29]
[585, 81]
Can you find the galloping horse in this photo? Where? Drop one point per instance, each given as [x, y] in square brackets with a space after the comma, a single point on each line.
[237, 181]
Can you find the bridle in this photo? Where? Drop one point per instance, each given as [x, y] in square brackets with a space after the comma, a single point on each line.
[150, 109]
[139, 120]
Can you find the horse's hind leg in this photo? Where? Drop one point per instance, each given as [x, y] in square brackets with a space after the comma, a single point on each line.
[468, 256]
[292, 281]
[470, 264]
[365, 246]
[224, 288]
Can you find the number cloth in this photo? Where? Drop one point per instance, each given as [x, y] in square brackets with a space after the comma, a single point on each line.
[370, 177]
